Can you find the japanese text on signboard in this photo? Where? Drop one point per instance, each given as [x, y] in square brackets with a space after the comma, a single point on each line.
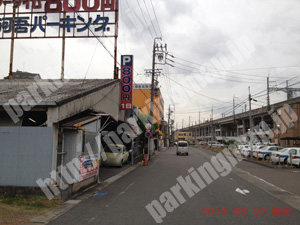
[88, 166]
[126, 81]
[48, 18]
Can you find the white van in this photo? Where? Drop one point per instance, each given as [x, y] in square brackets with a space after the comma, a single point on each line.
[182, 148]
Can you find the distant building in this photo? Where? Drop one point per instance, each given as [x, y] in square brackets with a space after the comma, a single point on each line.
[142, 100]
[183, 136]
[24, 75]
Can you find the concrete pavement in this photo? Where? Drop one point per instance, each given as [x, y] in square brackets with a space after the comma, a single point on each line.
[125, 200]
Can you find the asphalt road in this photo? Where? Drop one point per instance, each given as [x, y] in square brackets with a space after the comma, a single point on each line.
[125, 201]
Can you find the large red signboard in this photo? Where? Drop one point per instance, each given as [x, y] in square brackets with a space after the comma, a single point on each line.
[49, 18]
[126, 81]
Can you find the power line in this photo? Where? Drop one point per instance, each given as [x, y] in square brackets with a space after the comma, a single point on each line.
[156, 19]
[150, 18]
[216, 77]
[267, 68]
[195, 91]
[213, 73]
[135, 25]
[145, 19]
[232, 71]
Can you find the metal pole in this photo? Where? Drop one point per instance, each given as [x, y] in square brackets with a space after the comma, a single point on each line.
[251, 125]
[287, 90]
[116, 39]
[149, 149]
[132, 151]
[268, 90]
[169, 126]
[62, 76]
[152, 91]
[233, 110]
[12, 46]
[212, 118]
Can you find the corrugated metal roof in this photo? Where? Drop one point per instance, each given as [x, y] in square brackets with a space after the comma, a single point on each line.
[52, 92]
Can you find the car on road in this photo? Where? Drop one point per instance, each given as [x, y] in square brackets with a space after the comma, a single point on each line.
[114, 155]
[266, 151]
[282, 155]
[182, 148]
[295, 152]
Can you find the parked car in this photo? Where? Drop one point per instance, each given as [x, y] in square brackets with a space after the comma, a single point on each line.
[295, 152]
[182, 148]
[116, 155]
[282, 155]
[266, 151]
[202, 143]
[256, 149]
[244, 150]
[215, 144]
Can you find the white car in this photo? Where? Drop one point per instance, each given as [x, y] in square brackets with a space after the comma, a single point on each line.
[115, 155]
[217, 145]
[244, 150]
[295, 152]
[182, 148]
[266, 151]
[282, 155]
[256, 149]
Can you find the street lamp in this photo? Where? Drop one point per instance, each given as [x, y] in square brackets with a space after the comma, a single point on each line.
[251, 123]
[278, 126]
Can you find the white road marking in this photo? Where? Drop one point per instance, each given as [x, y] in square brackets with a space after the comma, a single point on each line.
[91, 220]
[154, 163]
[243, 192]
[126, 189]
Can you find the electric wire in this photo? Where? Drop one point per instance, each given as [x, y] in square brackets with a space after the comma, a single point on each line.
[150, 18]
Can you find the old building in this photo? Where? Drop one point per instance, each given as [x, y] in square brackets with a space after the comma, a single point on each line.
[48, 128]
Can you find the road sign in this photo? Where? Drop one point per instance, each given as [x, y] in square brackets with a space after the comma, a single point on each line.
[148, 134]
[148, 126]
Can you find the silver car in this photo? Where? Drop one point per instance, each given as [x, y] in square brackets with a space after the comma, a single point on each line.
[182, 148]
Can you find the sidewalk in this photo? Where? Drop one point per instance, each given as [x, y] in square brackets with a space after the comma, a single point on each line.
[77, 199]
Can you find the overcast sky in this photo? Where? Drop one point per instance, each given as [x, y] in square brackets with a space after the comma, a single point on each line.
[220, 48]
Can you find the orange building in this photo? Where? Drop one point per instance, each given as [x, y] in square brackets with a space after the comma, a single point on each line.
[142, 100]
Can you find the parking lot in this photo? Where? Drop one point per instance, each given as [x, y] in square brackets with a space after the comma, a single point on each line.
[283, 176]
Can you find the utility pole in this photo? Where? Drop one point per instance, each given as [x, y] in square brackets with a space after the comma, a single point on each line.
[153, 86]
[268, 90]
[233, 110]
[199, 118]
[289, 91]
[189, 122]
[182, 123]
[169, 124]
[212, 119]
[116, 69]
[12, 46]
[251, 125]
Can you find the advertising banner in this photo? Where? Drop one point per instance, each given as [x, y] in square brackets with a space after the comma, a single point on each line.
[88, 166]
[57, 18]
[126, 81]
